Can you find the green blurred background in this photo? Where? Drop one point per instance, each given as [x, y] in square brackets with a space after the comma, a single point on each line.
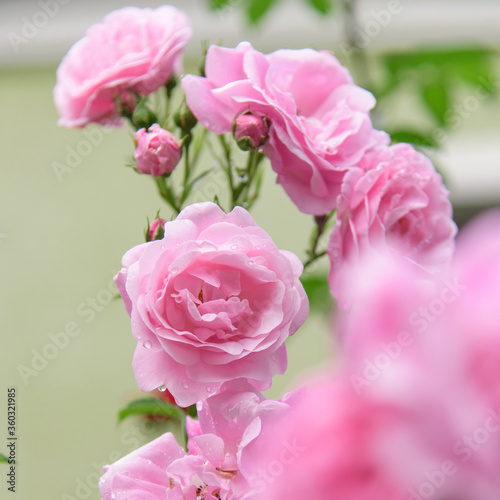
[62, 235]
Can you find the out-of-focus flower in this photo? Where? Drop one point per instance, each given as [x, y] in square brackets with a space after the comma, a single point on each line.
[319, 124]
[132, 50]
[157, 151]
[396, 200]
[213, 301]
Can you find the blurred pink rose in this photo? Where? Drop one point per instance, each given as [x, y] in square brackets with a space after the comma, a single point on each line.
[157, 151]
[319, 120]
[162, 470]
[397, 200]
[213, 301]
[132, 49]
[431, 347]
[338, 442]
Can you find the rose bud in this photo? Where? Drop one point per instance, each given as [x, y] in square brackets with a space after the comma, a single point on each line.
[155, 230]
[250, 131]
[157, 151]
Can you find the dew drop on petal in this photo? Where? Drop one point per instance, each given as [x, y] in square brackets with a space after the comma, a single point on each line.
[162, 388]
[185, 385]
[209, 389]
[199, 405]
[148, 344]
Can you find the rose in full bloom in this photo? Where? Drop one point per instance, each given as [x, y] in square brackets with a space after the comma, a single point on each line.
[319, 119]
[395, 199]
[213, 301]
[241, 422]
[157, 151]
[131, 50]
[161, 470]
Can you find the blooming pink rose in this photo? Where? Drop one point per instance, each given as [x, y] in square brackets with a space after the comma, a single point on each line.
[213, 301]
[161, 470]
[319, 120]
[157, 151]
[132, 50]
[245, 422]
[397, 200]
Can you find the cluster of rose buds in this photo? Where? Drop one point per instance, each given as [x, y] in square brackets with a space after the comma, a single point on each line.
[212, 299]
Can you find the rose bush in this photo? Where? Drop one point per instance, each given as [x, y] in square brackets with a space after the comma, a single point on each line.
[131, 50]
[319, 119]
[213, 301]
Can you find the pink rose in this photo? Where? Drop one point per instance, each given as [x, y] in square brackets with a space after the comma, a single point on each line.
[335, 442]
[250, 131]
[213, 301]
[132, 50]
[397, 200]
[161, 470]
[157, 151]
[319, 120]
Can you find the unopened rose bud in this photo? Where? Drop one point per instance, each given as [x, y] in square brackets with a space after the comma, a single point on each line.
[250, 131]
[157, 151]
[156, 230]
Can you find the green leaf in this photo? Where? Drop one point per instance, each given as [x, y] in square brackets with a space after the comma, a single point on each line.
[3, 459]
[219, 4]
[435, 96]
[151, 406]
[413, 137]
[257, 9]
[322, 6]
[318, 291]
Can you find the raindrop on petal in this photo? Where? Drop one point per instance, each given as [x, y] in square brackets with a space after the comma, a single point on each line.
[162, 388]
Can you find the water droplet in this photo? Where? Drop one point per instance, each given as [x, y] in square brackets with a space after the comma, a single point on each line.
[185, 385]
[199, 405]
[163, 247]
[244, 178]
[209, 389]
[148, 344]
[244, 204]
[162, 388]
[250, 263]
[235, 247]
[174, 270]
[103, 480]
[113, 495]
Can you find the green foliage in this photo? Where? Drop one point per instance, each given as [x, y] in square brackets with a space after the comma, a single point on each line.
[258, 8]
[151, 406]
[322, 6]
[318, 292]
[413, 137]
[438, 74]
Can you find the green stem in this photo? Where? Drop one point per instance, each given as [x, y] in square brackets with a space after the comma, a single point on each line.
[166, 193]
[312, 259]
[320, 226]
